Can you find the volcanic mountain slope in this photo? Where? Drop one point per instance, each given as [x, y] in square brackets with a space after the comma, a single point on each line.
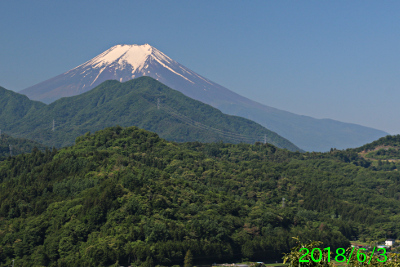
[142, 102]
[125, 62]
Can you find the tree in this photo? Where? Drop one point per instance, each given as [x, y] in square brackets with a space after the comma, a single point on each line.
[148, 263]
[188, 259]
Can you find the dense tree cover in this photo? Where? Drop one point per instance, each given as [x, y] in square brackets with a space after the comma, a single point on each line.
[14, 107]
[176, 118]
[18, 146]
[385, 148]
[390, 140]
[124, 195]
[384, 153]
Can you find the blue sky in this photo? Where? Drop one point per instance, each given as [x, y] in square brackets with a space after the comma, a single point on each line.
[325, 59]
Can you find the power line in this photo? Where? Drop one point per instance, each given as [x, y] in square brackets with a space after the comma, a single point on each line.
[227, 134]
[231, 135]
[208, 128]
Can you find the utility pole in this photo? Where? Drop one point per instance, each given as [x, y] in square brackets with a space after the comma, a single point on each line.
[10, 150]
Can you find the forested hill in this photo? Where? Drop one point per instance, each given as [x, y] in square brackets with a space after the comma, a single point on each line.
[387, 141]
[14, 106]
[385, 150]
[124, 196]
[18, 146]
[142, 102]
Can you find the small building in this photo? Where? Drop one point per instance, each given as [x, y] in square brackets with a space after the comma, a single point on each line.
[389, 242]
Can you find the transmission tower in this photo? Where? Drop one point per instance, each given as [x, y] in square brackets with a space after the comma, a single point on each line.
[283, 202]
[158, 103]
[10, 150]
[265, 138]
[53, 125]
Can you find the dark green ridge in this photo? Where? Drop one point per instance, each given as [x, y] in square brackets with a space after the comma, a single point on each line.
[14, 106]
[18, 146]
[134, 103]
[125, 196]
[385, 148]
[390, 140]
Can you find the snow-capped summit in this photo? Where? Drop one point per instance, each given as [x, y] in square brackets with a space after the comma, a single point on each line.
[122, 63]
[134, 55]
[125, 62]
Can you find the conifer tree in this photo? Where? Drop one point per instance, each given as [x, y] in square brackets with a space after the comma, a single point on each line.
[188, 259]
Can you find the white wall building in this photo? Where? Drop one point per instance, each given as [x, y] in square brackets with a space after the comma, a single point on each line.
[389, 242]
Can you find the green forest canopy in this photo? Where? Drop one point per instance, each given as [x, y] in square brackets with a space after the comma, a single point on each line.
[125, 195]
[133, 103]
[18, 146]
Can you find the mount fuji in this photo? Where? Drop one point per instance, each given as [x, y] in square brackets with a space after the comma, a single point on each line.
[126, 62]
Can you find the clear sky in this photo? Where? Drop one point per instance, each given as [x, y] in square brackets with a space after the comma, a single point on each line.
[325, 59]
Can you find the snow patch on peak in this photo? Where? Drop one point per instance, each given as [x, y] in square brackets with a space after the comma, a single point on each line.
[135, 58]
[165, 66]
[123, 55]
[157, 54]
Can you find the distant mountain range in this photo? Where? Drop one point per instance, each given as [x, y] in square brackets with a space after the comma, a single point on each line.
[125, 62]
[142, 102]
